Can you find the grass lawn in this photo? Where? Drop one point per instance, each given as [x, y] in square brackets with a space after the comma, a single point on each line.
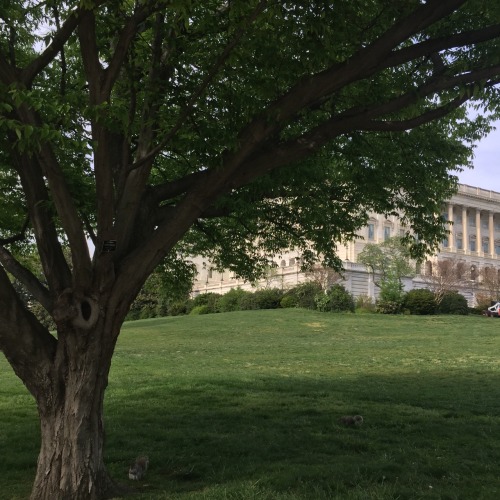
[245, 405]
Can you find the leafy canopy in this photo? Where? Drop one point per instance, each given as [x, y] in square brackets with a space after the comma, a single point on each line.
[232, 129]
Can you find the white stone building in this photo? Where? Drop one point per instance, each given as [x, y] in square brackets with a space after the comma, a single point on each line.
[474, 239]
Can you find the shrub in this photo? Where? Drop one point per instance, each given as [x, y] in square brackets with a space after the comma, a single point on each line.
[453, 303]
[391, 296]
[268, 298]
[200, 310]
[364, 304]
[289, 301]
[247, 302]
[231, 301]
[336, 299]
[388, 306]
[211, 300]
[304, 295]
[177, 308]
[420, 301]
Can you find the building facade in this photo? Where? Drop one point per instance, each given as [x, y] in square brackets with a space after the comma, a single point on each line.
[474, 240]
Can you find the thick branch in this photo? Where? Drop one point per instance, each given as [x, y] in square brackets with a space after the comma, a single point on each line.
[28, 346]
[27, 278]
[90, 55]
[126, 37]
[60, 38]
[52, 258]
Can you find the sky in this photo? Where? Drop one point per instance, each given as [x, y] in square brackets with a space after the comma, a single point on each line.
[486, 161]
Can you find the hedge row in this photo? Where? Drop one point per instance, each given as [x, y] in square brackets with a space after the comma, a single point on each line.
[306, 295]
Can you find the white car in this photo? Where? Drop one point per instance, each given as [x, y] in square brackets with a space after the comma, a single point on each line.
[494, 310]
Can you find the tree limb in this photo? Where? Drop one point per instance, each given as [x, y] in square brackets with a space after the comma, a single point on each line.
[213, 71]
[28, 346]
[27, 278]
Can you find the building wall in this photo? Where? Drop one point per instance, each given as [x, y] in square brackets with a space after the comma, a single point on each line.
[474, 238]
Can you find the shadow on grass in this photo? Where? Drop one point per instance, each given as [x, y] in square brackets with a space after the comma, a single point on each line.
[434, 434]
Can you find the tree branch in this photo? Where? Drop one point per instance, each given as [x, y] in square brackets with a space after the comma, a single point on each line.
[127, 35]
[54, 264]
[17, 237]
[60, 38]
[27, 278]
[28, 346]
[213, 71]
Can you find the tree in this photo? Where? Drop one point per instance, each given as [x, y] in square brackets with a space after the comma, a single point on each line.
[446, 275]
[490, 280]
[159, 129]
[389, 262]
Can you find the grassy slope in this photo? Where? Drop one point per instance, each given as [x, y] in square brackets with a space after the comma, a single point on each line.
[245, 405]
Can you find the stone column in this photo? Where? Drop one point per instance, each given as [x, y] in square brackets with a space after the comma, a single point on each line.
[491, 234]
[479, 243]
[465, 230]
[451, 238]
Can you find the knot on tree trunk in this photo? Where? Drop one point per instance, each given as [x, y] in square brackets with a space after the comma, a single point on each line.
[81, 311]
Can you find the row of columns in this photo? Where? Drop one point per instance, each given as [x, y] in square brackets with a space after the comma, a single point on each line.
[465, 230]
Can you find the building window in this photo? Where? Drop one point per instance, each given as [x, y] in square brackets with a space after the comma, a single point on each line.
[472, 220]
[445, 242]
[387, 233]
[497, 226]
[458, 219]
[484, 224]
[497, 247]
[459, 241]
[371, 231]
[472, 243]
[486, 245]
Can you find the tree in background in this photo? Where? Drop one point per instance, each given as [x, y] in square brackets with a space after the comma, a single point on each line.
[446, 275]
[389, 262]
[490, 280]
[232, 130]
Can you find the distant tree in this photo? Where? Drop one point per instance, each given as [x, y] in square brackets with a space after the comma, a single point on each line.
[446, 275]
[232, 130]
[389, 262]
[490, 280]
[324, 276]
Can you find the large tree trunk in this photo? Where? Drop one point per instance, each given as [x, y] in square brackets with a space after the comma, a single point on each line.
[70, 463]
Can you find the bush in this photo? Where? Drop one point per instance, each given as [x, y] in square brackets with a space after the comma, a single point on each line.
[177, 308]
[420, 301]
[231, 301]
[391, 296]
[268, 298]
[247, 302]
[289, 301]
[200, 310]
[364, 304]
[211, 300]
[336, 299]
[388, 306]
[453, 303]
[303, 295]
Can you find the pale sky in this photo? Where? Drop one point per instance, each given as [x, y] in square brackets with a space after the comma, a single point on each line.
[486, 172]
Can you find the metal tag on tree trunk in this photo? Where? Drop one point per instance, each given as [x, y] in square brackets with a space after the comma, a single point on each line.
[109, 246]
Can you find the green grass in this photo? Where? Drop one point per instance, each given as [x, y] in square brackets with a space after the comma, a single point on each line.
[245, 405]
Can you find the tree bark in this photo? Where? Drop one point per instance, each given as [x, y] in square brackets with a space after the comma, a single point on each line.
[70, 464]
